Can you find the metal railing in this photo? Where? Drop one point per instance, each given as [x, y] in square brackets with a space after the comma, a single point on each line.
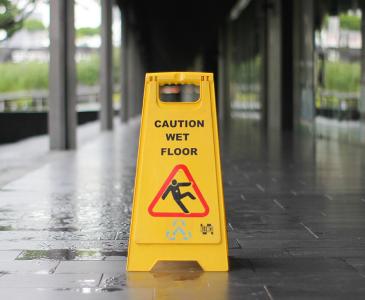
[338, 105]
[37, 100]
[245, 97]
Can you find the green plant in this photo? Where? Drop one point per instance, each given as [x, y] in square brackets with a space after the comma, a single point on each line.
[342, 76]
[25, 76]
[12, 16]
[350, 22]
[34, 25]
[87, 31]
[34, 75]
[88, 70]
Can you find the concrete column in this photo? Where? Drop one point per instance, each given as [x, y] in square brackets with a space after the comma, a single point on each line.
[140, 82]
[131, 72]
[132, 78]
[137, 80]
[362, 96]
[263, 54]
[287, 65]
[274, 63]
[106, 66]
[303, 65]
[297, 53]
[223, 76]
[124, 109]
[308, 61]
[62, 117]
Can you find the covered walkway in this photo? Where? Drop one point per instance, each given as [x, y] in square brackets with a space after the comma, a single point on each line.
[295, 203]
[295, 210]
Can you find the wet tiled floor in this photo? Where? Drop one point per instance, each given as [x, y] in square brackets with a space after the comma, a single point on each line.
[295, 207]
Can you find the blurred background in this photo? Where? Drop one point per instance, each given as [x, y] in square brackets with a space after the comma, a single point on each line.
[289, 79]
[320, 62]
[24, 64]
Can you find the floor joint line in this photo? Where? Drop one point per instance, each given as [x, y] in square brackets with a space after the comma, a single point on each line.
[309, 230]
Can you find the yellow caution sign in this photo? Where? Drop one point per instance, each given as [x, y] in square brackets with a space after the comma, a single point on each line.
[178, 206]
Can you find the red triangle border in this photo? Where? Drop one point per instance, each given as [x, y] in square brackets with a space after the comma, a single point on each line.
[164, 187]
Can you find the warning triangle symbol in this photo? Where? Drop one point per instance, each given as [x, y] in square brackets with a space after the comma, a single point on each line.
[179, 196]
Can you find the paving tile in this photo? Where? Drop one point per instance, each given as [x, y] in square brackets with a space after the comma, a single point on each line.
[327, 252]
[300, 265]
[61, 254]
[74, 294]
[55, 281]
[28, 266]
[315, 292]
[118, 258]
[260, 253]
[89, 267]
[8, 255]
[358, 264]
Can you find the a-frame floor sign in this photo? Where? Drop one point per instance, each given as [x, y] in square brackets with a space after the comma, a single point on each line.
[178, 206]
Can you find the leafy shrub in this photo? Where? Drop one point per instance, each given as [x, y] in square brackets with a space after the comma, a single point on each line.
[87, 31]
[342, 76]
[34, 75]
[350, 22]
[25, 76]
[34, 25]
[88, 71]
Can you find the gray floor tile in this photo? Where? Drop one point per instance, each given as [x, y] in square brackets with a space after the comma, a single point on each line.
[74, 294]
[56, 281]
[8, 255]
[28, 266]
[87, 267]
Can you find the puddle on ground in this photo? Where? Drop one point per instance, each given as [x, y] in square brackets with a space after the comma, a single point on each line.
[68, 254]
[63, 229]
[6, 228]
[178, 275]
[187, 285]
[83, 290]
[114, 283]
[4, 273]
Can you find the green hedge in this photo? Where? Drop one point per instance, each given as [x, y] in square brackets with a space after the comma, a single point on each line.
[34, 76]
[350, 22]
[25, 76]
[88, 71]
[342, 77]
[34, 25]
[339, 76]
[87, 31]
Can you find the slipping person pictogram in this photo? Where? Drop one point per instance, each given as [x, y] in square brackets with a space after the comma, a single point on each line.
[174, 189]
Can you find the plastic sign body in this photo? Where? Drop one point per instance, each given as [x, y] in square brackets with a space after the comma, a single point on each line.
[178, 206]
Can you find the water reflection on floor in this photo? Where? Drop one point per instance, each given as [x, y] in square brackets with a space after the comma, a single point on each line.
[348, 131]
[180, 285]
